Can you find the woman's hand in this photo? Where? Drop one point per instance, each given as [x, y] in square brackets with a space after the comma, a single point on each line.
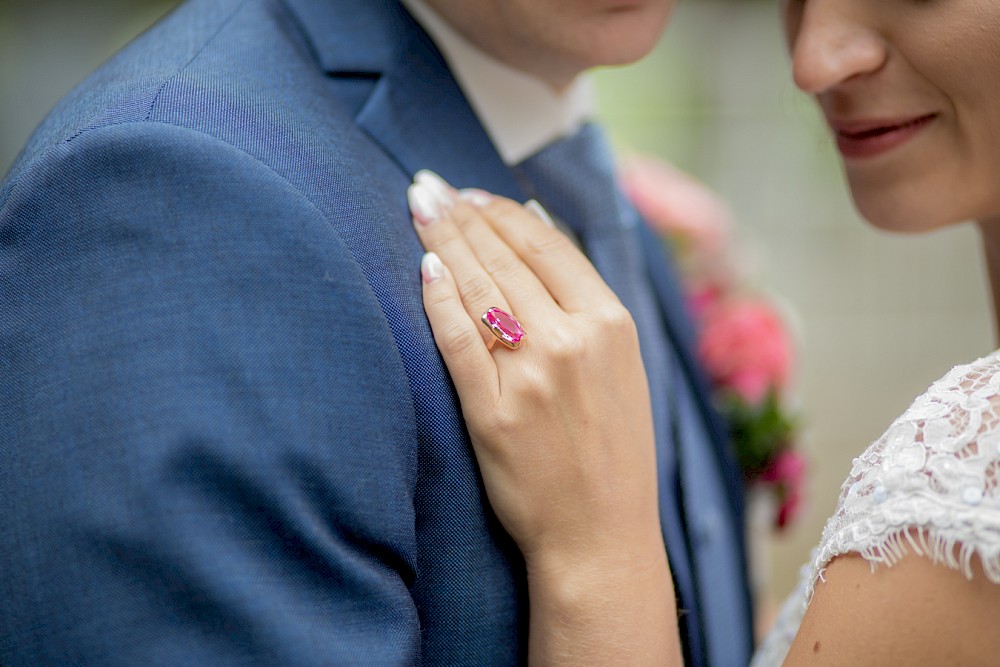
[561, 426]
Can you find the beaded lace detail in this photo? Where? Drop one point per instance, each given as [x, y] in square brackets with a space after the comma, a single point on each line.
[928, 486]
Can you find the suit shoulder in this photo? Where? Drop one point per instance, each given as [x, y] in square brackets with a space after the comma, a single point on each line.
[211, 65]
[124, 88]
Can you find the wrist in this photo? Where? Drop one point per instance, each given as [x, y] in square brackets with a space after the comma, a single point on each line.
[616, 600]
[566, 573]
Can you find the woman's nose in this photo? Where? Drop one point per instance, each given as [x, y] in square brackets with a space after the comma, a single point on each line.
[832, 44]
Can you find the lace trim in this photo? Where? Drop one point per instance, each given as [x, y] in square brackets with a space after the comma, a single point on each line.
[930, 486]
[942, 547]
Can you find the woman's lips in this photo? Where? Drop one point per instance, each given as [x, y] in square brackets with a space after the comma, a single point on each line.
[864, 139]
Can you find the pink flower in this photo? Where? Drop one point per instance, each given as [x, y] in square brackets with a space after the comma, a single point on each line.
[676, 204]
[788, 473]
[745, 348]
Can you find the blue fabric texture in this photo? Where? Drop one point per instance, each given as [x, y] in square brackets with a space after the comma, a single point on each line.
[226, 435]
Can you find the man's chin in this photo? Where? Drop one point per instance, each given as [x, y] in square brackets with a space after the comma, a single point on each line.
[902, 219]
[623, 45]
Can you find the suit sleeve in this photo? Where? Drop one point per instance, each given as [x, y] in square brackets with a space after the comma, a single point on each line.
[206, 446]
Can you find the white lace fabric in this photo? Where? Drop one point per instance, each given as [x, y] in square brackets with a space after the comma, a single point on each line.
[928, 486]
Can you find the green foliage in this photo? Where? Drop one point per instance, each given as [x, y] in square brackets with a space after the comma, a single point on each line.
[759, 432]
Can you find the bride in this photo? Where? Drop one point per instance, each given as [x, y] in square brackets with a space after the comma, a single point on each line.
[905, 571]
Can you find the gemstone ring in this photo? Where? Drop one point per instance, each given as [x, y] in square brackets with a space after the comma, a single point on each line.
[505, 327]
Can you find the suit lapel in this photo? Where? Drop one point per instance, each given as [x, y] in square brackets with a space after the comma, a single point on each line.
[420, 116]
[416, 112]
[350, 37]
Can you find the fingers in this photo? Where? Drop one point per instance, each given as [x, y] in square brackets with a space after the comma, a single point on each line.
[486, 270]
[522, 289]
[502, 254]
[458, 338]
[474, 286]
[565, 273]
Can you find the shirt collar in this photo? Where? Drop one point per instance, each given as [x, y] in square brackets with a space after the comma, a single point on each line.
[519, 112]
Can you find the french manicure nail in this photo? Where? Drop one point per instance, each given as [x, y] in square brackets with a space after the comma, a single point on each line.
[475, 197]
[423, 204]
[443, 193]
[539, 210]
[431, 267]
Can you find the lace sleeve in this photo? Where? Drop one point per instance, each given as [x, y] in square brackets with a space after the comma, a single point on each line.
[929, 486]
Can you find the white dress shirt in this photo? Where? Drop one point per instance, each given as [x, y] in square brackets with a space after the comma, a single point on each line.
[520, 112]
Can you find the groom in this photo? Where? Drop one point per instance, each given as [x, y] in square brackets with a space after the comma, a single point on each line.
[226, 435]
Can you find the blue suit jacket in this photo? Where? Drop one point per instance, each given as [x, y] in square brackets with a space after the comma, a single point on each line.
[226, 435]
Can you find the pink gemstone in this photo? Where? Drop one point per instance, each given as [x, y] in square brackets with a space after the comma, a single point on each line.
[504, 326]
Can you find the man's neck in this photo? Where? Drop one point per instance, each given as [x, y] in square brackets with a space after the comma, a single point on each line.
[520, 112]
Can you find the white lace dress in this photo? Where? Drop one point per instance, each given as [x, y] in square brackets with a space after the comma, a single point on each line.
[936, 469]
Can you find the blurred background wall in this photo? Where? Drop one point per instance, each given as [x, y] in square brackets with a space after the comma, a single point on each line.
[878, 317]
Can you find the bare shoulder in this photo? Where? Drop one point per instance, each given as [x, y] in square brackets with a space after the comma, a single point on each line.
[913, 613]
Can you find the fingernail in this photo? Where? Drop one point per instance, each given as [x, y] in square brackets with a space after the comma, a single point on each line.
[431, 267]
[539, 210]
[475, 197]
[423, 204]
[443, 193]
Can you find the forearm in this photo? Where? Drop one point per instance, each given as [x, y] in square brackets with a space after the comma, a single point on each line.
[604, 607]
